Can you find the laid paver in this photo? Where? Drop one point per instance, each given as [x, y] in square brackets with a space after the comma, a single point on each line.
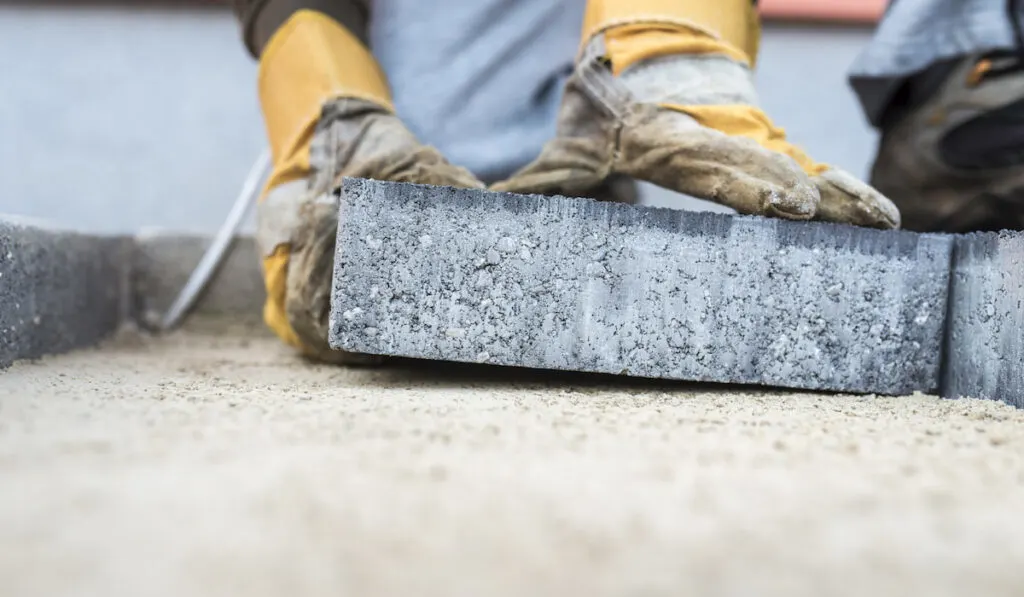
[59, 290]
[985, 342]
[575, 284]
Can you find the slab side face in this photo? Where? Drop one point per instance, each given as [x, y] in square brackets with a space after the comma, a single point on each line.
[985, 345]
[559, 283]
[163, 263]
[59, 290]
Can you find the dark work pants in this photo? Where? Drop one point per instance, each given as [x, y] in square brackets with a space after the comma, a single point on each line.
[261, 18]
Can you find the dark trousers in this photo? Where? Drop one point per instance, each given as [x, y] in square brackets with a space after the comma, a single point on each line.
[261, 18]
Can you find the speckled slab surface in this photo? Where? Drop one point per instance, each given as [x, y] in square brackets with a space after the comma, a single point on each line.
[574, 284]
[59, 290]
[985, 347]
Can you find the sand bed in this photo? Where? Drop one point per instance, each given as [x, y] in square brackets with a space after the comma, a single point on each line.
[219, 463]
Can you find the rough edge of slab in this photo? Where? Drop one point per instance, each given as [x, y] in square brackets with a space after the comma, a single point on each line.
[163, 261]
[50, 276]
[936, 249]
[148, 271]
[984, 352]
[59, 290]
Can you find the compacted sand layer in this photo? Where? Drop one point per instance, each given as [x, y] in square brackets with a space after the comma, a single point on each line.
[219, 463]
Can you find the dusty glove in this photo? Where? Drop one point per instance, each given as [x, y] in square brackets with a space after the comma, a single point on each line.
[328, 114]
[664, 93]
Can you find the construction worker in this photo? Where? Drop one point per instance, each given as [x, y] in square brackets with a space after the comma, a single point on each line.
[508, 94]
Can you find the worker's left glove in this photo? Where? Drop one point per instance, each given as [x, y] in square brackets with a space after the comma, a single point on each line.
[328, 113]
[664, 93]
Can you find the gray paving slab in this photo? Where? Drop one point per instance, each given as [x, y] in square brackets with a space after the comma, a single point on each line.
[557, 283]
[985, 342]
[59, 290]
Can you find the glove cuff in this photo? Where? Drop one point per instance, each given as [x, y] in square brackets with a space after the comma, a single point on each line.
[640, 30]
[309, 61]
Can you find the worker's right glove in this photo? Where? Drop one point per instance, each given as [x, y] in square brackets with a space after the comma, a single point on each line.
[663, 92]
[328, 114]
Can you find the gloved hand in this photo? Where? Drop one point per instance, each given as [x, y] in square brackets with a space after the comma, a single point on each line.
[328, 115]
[663, 92]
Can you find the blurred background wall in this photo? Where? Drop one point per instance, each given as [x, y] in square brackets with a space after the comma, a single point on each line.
[116, 117]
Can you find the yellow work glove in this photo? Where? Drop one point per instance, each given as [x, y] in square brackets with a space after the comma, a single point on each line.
[663, 92]
[328, 114]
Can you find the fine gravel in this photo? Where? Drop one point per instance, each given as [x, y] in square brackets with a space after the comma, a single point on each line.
[218, 462]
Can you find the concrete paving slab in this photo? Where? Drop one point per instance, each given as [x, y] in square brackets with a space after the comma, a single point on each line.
[557, 283]
[59, 290]
[985, 344]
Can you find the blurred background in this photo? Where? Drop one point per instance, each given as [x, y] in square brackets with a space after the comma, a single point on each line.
[120, 116]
